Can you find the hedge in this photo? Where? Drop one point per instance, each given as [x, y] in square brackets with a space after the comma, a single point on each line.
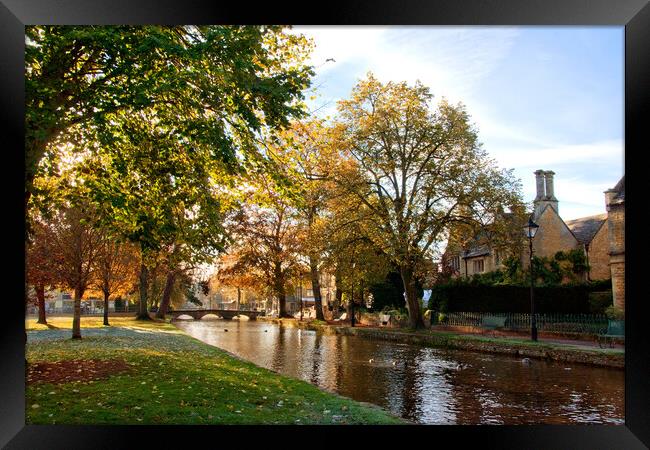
[514, 299]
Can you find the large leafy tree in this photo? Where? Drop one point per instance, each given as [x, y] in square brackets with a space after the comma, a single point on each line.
[158, 192]
[214, 85]
[419, 169]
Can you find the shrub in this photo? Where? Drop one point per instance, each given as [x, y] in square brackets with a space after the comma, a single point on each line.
[388, 293]
[516, 299]
[599, 301]
[601, 285]
[615, 313]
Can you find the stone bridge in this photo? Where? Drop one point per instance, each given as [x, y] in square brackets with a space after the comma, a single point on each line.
[227, 314]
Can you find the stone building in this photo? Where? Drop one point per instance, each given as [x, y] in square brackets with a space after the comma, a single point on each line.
[615, 202]
[600, 237]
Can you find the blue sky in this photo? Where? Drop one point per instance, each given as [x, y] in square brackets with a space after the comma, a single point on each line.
[541, 97]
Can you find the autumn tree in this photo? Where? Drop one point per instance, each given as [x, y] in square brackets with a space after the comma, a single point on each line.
[416, 166]
[234, 272]
[348, 251]
[307, 157]
[265, 237]
[116, 269]
[78, 243]
[41, 262]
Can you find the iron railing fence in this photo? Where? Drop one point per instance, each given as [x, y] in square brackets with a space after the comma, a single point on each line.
[568, 323]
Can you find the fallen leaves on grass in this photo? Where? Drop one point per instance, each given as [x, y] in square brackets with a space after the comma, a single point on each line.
[74, 370]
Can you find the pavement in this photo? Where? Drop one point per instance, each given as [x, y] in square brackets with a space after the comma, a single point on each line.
[568, 342]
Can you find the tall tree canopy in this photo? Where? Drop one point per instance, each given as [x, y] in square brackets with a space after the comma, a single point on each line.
[419, 169]
[212, 85]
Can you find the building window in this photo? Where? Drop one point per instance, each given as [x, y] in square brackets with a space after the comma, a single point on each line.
[455, 263]
[478, 266]
[497, 258]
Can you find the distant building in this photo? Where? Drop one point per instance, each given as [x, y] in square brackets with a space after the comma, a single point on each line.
[62, 302]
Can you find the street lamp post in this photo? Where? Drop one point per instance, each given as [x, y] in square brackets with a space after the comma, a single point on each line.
[352, 298]
[301, 297]
[530, 230]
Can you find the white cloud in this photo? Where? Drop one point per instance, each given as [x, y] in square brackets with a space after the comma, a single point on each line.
[430, 54]
[530, 157]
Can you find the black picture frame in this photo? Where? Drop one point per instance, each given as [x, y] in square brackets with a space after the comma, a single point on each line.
[634, 15]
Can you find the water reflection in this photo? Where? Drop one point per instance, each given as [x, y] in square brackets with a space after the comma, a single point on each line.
[427, 385]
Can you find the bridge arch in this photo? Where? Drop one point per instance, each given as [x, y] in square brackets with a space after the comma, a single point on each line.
[210, 316]
[227, 314]
[184, 317]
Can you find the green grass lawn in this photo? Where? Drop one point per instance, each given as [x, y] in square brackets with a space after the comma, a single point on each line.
[170, 378]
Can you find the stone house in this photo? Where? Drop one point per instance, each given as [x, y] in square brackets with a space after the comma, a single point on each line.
[601, 237]
[615, 203]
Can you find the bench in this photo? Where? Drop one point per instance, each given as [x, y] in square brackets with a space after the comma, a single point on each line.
[493, 322]
[615, 330]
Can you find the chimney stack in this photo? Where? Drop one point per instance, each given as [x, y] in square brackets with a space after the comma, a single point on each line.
[609, 196]
[545, 193]
[548, 175]
[539, 179]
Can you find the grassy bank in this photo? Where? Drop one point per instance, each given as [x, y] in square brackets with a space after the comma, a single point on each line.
[605, 357]
[152, 373]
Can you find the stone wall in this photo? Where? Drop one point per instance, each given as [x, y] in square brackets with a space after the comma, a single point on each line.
[616, 234]
[599, 255]
[552, 236]
[617, 267]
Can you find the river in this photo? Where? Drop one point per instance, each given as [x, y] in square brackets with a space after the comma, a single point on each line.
[426, 385]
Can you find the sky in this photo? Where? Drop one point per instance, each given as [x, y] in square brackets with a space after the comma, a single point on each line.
[546, 98]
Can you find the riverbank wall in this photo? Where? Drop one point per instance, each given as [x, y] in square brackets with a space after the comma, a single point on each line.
[443, 339]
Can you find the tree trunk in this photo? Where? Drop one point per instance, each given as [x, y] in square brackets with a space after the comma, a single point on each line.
[315, 285]
[167, 295]
[351, 310]
[106, 296]
[76, 320]
[40, 296]
[338, 296]
[280, 292]
[143, 314]
[412, 303]
[282, 305]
